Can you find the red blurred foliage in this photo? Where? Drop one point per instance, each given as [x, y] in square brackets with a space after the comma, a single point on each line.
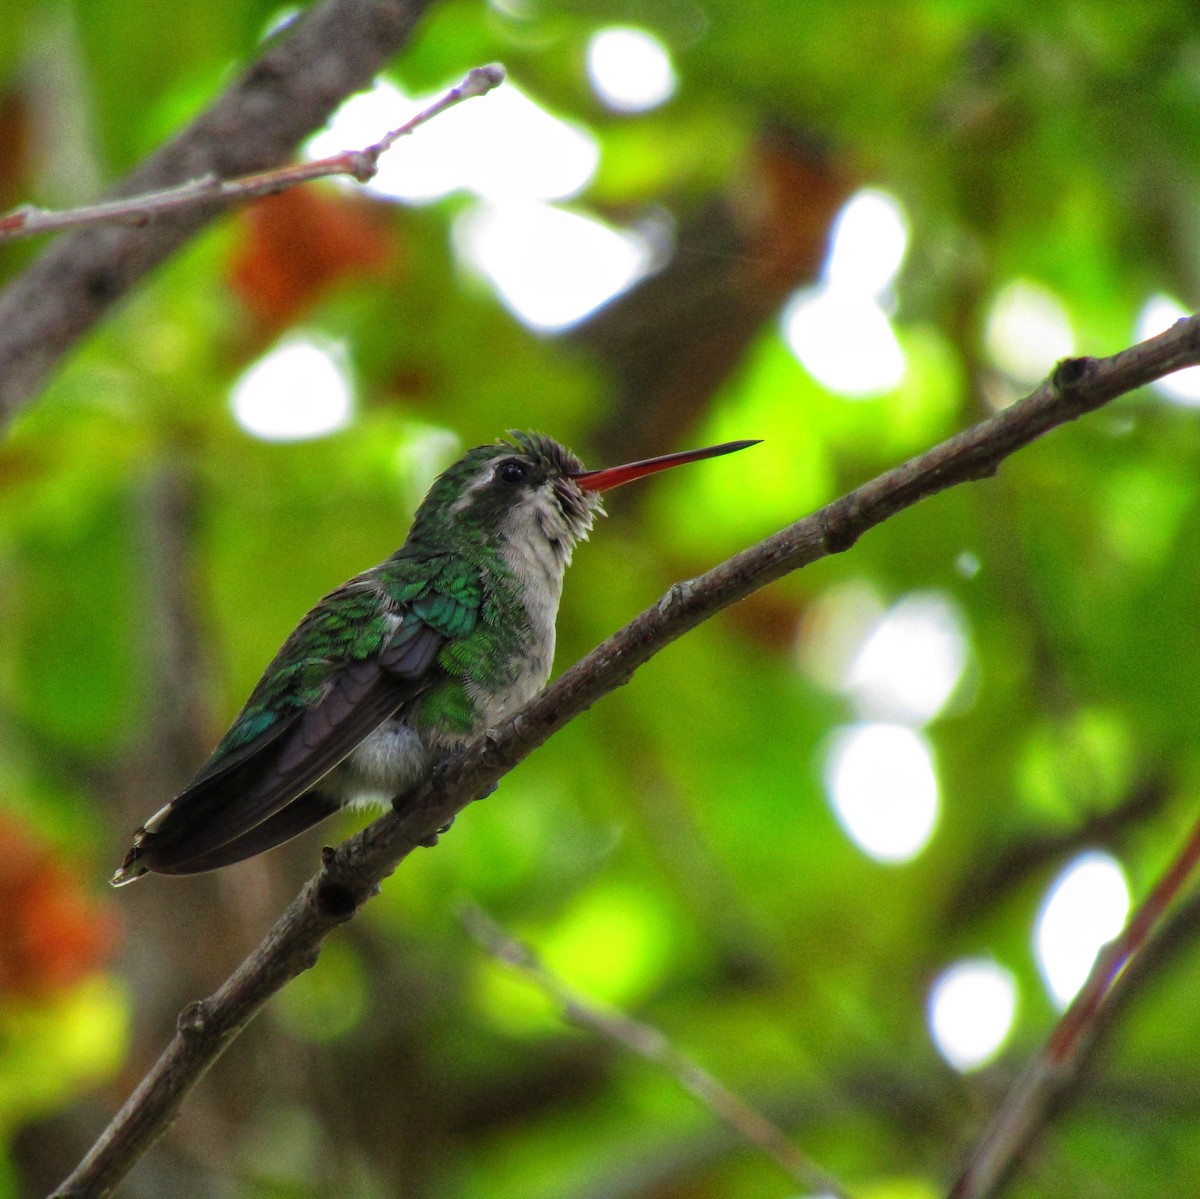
[297, 244]
[798, 188]
[52, 933]
[14, 147]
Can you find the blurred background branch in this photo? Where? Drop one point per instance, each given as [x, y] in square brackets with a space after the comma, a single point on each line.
[360, 164]
[1026, 1107]
[651, 1044]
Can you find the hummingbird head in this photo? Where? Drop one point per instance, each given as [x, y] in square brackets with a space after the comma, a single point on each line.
[517, 489]
[530, 489]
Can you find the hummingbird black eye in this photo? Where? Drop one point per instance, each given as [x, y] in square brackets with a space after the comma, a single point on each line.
[513, 471]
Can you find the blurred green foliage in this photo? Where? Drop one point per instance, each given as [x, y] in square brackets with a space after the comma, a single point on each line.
[672, 852]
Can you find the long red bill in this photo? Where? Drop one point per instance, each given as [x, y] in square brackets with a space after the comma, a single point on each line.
[613, 476]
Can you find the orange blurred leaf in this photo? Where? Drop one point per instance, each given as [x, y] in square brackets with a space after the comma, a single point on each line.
[298, 244]
[52, 933]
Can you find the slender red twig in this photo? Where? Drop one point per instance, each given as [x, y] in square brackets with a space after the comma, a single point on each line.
[137, 210]
[1023, 1112]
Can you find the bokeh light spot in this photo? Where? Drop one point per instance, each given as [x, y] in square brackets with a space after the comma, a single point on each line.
[908, 667]
[630, 69]
[838, 331]
[845, 341]
[881, 783]
[968, 565]
[550, 267]
[869, 241]
[970, 1012]
[1028, 331]
[1158, 314]
[834, 627]
[1084, 909]
[299, 390]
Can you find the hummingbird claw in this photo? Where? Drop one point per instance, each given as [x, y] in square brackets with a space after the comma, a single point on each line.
[433, 838]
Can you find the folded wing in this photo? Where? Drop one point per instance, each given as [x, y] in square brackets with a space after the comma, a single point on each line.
[243, 788]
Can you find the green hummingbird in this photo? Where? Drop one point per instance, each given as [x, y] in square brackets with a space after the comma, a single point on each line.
[445, 639]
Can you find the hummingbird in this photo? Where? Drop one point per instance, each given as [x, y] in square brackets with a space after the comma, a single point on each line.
[405, 662]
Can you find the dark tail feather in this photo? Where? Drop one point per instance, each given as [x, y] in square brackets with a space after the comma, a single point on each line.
[279, 827]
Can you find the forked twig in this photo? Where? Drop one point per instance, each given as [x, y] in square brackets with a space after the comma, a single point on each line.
[138, 210]
[1024, 1109]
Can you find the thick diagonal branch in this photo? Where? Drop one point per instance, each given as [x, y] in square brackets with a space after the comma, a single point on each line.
[352, 874]
[328, 54]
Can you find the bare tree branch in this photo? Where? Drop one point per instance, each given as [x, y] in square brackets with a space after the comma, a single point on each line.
[350, 875]
[329, 52]
[648, 1042]
[362, 165]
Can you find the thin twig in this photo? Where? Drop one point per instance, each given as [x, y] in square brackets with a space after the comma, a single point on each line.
[138, 210]
[648, 1042]
[1025, 1108]
[352, 874]
[331, 50]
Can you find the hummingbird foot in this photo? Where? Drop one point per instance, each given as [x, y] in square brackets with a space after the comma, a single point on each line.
[433, 838]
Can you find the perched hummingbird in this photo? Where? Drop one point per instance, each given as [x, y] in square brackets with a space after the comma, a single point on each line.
[453, 633]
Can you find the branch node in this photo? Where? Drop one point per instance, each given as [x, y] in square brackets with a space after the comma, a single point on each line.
[335, 901]
[193, 1020]
[676, 596]
[1071, 374]
[836, 521]
[481, 80]
[308, 959]
[363, 164]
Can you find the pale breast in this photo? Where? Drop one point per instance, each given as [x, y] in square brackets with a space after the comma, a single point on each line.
[538, 564]
[384, 765]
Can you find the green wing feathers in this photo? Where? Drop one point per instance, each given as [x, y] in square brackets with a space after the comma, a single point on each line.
[452, 637]
[479, 614]
[416, 638]
[349, 626]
